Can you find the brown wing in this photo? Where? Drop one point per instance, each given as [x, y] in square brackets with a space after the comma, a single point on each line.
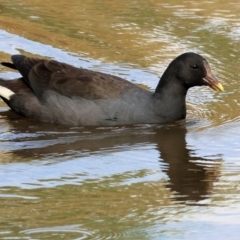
[41, 75]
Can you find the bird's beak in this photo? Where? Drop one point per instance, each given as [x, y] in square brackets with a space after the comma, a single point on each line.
[211, 80]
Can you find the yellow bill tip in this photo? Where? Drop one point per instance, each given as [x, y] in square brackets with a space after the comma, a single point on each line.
[218, 87]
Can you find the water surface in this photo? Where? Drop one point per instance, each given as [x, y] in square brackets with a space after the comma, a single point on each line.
[175, 181]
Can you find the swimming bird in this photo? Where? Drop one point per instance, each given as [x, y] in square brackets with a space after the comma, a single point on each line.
[51, 91]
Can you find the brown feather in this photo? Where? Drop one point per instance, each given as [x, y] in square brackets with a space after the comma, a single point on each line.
[71, 81]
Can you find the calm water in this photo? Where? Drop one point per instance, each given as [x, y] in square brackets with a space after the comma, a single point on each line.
[177, 181]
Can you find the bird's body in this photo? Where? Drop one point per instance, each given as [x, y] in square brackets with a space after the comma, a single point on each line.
[56, 92]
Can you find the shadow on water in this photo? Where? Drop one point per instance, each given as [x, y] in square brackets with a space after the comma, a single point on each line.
[190, 177]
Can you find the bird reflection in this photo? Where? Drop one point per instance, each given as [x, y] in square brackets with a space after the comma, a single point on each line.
[188, 180]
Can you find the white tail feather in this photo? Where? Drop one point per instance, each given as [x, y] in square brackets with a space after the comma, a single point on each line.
[6, 93]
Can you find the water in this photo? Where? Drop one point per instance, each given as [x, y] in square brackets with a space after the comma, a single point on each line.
[176, 181]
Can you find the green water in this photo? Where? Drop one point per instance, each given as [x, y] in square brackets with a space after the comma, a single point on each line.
[142, 182]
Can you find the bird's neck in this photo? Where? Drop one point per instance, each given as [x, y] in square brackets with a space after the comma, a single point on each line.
[170, 86]
[170, 97]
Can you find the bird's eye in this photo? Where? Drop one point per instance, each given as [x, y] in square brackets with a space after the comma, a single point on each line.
[194, 66]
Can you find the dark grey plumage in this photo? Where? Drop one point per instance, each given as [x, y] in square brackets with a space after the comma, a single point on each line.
[51, 91]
